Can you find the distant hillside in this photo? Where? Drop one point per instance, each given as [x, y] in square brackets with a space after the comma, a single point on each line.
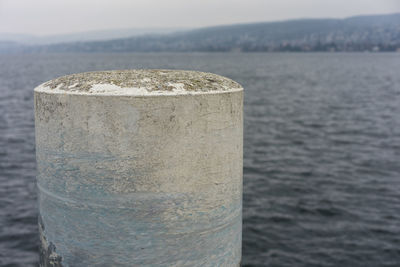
[362, 33]
[10, 47]
[102, 35]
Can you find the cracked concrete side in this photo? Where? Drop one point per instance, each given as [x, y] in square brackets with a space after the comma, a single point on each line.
[146, 180]
[48, 256]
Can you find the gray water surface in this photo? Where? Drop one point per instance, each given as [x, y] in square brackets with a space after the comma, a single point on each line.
[321, 152]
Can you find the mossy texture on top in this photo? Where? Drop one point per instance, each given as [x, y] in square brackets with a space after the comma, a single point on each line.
[151, 80]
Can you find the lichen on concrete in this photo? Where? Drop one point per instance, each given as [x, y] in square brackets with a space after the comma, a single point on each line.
[147, 80]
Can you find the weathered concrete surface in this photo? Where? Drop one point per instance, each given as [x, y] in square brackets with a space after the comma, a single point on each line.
[144, 172]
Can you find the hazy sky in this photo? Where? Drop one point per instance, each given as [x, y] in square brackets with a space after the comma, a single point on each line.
[65, 16]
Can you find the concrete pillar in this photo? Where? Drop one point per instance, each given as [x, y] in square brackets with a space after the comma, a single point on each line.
[140, 168]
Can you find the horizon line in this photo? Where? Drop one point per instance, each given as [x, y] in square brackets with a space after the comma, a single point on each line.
[199, 27]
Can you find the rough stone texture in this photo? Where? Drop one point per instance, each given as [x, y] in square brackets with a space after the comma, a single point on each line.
[48, 256]
[140, 179]
[149, 80]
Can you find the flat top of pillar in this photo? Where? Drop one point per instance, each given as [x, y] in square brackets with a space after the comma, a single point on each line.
[140, 82]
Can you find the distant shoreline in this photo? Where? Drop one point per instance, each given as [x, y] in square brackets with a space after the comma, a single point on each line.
[204, 52]
[377, 33]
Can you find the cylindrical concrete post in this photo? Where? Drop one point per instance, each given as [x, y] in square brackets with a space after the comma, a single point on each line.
[140, 168]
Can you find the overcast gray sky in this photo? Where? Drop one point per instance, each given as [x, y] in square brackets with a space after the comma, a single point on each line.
[66, 16]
